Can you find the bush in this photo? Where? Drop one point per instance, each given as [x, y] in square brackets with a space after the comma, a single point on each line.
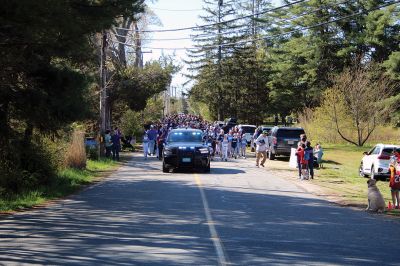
[322, 129]
[76, 153]
[28, 166]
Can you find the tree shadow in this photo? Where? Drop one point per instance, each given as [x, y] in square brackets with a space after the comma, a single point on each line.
[155, 222]
[330, 162]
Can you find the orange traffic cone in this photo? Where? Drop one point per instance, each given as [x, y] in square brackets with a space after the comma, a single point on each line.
[390, 206]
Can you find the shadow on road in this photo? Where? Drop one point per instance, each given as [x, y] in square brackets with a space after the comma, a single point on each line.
[154, 222]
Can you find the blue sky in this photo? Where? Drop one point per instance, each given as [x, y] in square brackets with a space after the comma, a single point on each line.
[174, 14]
[188, 17]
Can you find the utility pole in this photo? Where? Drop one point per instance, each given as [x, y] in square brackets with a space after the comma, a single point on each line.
[220, 3]
[254, 22]
[138, 48]
[103, 92]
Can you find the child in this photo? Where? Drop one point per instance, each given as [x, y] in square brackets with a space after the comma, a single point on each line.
[318, 152]
[303, 162]
[244, 146]
[394, 182]
[234, 144]
[225, 144]
[308, 156]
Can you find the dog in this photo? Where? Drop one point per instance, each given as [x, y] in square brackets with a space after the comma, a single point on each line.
[376, 203]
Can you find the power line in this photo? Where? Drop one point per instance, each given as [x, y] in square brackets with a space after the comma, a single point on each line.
[217, 23]
[267, 37]
[176, 10]
[232, 32]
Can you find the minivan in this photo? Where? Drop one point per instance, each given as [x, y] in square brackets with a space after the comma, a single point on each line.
[282, 139]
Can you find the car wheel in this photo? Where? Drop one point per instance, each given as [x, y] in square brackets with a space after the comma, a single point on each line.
[271, 156]
[164, 168]
[361, 171]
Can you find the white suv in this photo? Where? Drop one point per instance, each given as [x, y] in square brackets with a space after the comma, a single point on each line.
[248, 131]
[375, 163]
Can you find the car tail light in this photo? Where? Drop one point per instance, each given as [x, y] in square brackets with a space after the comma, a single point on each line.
[384, 157]
[274, 140]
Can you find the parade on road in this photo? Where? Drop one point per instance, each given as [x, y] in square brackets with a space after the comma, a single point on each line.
[200, 132]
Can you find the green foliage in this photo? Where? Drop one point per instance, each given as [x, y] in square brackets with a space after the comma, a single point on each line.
[64, 183]
[25, 166]
[135, 86]
[295, 66]
[47, 58]
[131, 123]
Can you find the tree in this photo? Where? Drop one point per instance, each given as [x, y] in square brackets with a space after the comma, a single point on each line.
[48, 58]
[357, 103]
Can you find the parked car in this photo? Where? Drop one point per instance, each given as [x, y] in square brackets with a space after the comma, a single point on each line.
[282, 139]
[375, 163]
[184, 148]
[248, 131]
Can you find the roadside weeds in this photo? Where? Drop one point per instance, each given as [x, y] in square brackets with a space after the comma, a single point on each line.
[70, 182]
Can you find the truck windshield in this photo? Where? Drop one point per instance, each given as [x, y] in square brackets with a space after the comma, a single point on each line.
[188, 136]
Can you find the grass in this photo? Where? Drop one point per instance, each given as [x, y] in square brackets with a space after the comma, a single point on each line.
[340, 174]
[67, 182]
[339, 177]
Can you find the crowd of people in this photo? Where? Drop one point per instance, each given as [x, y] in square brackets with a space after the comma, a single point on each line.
[225, 145]
[228, 145]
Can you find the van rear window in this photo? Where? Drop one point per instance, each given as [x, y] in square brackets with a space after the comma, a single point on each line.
[248, 129]
[289, 133]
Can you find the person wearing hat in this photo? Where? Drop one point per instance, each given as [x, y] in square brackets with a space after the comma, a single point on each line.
[262, 146]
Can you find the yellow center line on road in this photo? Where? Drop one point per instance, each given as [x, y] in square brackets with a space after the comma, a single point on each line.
[214, 235]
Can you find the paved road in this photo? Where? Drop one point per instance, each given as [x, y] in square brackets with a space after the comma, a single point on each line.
[236, 215]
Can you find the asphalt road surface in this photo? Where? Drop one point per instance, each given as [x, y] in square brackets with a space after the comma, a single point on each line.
[236, 215]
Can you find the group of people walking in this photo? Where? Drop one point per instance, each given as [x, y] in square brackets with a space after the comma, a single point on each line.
[231, 144]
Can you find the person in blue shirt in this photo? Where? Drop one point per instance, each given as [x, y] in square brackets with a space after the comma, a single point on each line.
[152, 134]
[308, 155]
[116, 144]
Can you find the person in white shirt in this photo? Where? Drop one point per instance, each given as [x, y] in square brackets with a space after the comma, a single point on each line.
[145, 145]
[225, 144]
[262, 147]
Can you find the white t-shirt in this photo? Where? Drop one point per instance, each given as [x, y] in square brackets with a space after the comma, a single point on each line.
[262, 143]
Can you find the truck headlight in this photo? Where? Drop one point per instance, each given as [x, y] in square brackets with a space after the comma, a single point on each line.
[167, 151]
[203, 150]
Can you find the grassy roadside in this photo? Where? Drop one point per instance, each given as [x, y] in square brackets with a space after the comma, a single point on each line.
[67, 182]
[339, 177]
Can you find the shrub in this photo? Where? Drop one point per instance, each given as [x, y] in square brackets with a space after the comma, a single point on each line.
[76, 154]
[28, 166]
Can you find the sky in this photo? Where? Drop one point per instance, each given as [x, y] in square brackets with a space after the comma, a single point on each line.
[173, 14]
